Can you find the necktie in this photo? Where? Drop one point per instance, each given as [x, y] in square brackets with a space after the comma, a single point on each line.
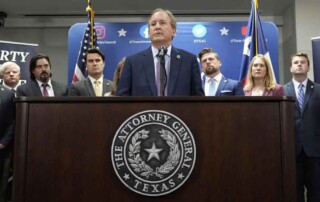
[97, 89]
[158, 76]
[211, 87]
[163, 74]
[300, 95]
[45, 90]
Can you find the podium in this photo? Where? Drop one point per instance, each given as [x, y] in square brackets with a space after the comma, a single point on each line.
[244, 148]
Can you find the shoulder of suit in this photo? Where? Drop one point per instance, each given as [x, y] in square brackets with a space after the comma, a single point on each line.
[107, 81]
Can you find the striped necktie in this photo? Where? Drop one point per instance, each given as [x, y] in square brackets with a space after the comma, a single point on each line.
[300, 95]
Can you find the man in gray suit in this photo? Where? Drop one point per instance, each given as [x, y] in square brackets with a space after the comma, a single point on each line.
[306, 127]
[7, 117]
[40, 83]
[94, 84]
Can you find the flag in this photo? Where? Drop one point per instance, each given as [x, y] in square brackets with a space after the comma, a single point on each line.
[254, 43]
[89, 40]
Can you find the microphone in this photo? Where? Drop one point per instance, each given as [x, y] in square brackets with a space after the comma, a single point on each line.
[162, 51]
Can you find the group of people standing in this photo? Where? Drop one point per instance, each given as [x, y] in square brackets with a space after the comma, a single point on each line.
[138, 74]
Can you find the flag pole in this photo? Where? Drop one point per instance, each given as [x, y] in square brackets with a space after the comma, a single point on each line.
[255, 26]
[91, 13]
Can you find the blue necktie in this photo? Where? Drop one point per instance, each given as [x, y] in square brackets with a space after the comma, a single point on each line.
[300, 95]
[211, 87]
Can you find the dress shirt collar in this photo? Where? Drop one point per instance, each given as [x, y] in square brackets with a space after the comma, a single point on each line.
[155, 51]
[217, 78]
[93, 79]
[40, 83]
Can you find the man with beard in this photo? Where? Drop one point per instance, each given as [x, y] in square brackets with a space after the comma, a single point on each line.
[95, 84]
[40, 83]
[178, 74]
[213, 82]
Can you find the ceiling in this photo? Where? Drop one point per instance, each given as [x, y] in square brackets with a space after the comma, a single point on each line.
[74, 8]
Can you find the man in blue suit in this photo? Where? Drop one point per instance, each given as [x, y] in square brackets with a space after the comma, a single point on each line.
[306, 128]
[213, 82]
[140, 74]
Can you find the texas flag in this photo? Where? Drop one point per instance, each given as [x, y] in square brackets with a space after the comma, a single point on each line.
[254, 43]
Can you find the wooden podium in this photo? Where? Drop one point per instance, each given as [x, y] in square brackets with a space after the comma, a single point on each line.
[245, 148]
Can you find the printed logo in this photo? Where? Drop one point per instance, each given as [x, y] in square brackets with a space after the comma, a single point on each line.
[244, 30]
[199, 31]
[100, 31]
[153, 153]
[144, 31]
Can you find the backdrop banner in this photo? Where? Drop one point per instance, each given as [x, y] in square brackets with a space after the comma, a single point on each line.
[20, 53]
[118, 40]
[316, 58]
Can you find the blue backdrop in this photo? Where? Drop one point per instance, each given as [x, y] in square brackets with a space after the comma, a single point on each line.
[118, 40]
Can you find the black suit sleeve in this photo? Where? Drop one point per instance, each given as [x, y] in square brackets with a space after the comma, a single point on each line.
[8, 119]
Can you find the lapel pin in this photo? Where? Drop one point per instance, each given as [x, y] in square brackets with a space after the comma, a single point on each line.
[178, 56]
[312, 86]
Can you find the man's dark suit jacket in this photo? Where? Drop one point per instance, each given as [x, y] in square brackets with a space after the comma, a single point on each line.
[227, 87]
[307, 122]
[138, 75]
[85, 88]
[7, 117]
[31, 88]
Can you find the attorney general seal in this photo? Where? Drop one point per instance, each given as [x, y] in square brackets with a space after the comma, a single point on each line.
[153, 153]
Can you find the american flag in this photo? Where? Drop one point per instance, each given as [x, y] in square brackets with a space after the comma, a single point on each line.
[255, 42]
[89, 41]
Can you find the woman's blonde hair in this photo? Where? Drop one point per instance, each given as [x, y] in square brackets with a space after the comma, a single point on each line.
[269, 82]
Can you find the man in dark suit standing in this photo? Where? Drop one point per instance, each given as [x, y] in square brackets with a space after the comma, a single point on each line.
[306, 127]
[141, 73]
[213, 82]
[7, 124]
[40, 83]
[94, 84]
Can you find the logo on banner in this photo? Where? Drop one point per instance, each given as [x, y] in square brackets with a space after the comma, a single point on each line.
[144, 31]
[100, 31]
[199, 31]
[153, 153]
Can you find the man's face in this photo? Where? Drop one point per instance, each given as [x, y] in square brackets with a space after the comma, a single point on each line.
[299, 66]
[160, 29]
[42, 72]
[210, 64]
[11, 76]
[95, 65]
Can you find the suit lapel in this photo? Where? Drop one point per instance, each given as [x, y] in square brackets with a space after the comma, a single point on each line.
[148, 66]
[221, 86]
[292, 93]
[309, 91]
[175, 66]
[106, 87]
[89, 87]
[36, 88]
